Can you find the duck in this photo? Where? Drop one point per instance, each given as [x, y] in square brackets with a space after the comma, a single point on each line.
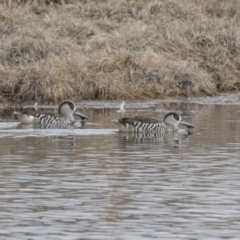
[186, 85]
[65, 117]
[151, 125]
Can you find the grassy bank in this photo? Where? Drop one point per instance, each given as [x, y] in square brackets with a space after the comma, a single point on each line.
[115, 49]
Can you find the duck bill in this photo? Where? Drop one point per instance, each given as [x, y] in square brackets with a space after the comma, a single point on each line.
[82, 116]
[188, 125]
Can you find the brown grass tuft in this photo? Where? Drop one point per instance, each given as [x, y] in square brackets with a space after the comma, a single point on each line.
[108, 50]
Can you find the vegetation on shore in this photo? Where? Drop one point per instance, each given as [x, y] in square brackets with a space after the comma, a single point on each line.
[116, 49]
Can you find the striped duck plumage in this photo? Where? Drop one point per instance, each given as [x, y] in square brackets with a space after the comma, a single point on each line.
[65, 117]
[143, 124]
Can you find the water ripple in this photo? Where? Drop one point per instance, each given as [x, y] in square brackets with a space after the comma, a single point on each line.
[99, 184]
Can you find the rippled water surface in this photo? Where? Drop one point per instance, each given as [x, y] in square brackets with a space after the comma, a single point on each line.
[97, 183]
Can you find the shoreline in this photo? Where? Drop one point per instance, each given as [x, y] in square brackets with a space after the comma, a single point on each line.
[116, 50]
[221, 99]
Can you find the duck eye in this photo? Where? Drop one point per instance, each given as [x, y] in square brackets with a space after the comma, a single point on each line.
[176, 116]
[71, 105]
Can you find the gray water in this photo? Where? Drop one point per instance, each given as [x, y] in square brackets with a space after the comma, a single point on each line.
[97, 183]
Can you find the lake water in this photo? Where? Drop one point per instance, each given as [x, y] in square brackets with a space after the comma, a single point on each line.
[97, 183]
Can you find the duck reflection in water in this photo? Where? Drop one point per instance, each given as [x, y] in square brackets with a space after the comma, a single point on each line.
[77, 124]
[173, 139]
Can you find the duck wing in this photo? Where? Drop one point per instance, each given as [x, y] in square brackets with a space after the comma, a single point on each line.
[140, 119]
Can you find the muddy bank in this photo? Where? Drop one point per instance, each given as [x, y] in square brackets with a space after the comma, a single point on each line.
[170, 104]
[112, 50]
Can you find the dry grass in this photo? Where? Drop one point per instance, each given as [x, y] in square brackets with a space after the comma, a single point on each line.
[113, 49]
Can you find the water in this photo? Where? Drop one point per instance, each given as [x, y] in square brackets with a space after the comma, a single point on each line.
[96, 183]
